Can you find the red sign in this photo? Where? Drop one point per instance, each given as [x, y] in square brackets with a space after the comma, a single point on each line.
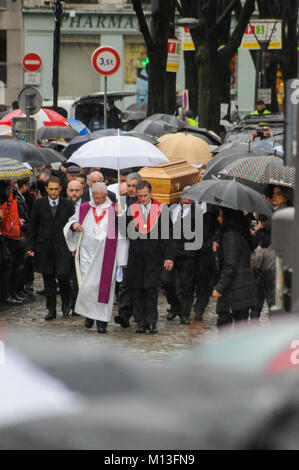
[32, 62]
[105, 60]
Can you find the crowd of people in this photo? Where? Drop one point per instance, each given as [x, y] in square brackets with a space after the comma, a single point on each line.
[95, 251]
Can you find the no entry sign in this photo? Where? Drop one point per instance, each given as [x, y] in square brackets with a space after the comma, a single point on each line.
[32, 62]
[105, 60]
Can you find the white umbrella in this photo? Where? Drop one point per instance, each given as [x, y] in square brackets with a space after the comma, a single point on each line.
[117, 152]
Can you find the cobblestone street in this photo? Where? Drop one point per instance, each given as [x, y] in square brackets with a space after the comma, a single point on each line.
[173, 338]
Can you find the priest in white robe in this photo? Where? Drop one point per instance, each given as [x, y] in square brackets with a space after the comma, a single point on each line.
[92, 233]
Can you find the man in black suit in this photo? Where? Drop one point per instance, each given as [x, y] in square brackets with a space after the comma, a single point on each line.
[150, 250]
[125, 301]
[95, 177]
[47, 244]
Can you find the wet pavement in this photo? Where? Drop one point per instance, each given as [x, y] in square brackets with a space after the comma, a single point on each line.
[173, 338]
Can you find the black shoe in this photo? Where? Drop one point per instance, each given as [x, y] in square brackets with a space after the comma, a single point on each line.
[12, 301]
[101, 326]
[140, 329]
[152, 329]
[171, 315]
[89, 322]
[185, 321]
[74, 314]
[50, 316]
[121, 321]
[41, 292]
[66, 308]
[18, 296]
[28, 292]
[29, 287]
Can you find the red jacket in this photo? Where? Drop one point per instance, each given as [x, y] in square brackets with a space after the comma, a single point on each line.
[10, 224]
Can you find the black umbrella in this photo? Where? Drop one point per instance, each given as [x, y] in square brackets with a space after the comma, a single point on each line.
[56, 132]
[21, 151]
[231, 154]
[229, 193]
[136, 111]
[160, 124]
[51, 155]
[77, 142]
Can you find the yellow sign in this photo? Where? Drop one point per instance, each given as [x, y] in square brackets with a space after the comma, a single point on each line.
[173, 58]
[262, 30]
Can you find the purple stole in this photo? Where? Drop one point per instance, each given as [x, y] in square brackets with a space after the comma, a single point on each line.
[109, 251]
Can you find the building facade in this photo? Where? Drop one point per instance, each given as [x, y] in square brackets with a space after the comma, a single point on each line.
[28, 26]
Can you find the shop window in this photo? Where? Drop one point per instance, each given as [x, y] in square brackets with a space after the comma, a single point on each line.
[135, 54]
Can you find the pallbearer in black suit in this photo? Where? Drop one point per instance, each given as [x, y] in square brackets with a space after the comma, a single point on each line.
[125, 301]
[150, 251]
[47, 244]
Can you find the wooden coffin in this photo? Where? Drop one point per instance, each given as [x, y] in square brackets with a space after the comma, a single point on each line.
[169, 179]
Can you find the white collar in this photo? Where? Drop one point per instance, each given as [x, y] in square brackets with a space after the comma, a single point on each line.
[51, 200]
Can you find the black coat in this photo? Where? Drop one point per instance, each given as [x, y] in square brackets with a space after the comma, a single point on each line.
[236, 281]
[180, 243]
[147, 256]
[23, 211]
[86, 196]
[46, 239]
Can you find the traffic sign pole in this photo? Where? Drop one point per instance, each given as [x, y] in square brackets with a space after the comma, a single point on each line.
[105, 60]
[105, 102]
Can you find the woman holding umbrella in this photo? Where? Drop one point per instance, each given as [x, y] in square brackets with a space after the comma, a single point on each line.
[235, 289]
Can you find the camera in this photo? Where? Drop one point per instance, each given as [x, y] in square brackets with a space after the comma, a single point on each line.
[260, 133]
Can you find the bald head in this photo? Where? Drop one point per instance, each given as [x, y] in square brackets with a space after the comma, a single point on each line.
[74, 190]
[95, 177]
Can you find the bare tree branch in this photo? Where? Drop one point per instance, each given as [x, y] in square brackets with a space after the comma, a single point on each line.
[143, 24]
[227, 10]
[229, 51]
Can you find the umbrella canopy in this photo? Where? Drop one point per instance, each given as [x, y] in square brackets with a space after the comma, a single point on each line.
[51, 155]
[45, 117]
[160, 124]
[283, 176]
[117, 152]
[252, 169]
[229, 155]
[79, 126]
[136, 111]
[56, 132]
[11, 168]
[182, 145]
[77, 142]
[21, 151]
[229, 193]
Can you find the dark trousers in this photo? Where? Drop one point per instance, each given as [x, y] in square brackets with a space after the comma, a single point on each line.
[13, 279]
[50, 289]
[145, 303]
[205, 273]
[179, 286]
[265, 287]
[74, 285]
[125, 299]
[225, 317]
[28, 271]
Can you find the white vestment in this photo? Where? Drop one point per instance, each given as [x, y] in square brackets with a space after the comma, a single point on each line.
[90, 248]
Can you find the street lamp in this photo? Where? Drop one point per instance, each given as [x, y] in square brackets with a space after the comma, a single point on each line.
[57, 8]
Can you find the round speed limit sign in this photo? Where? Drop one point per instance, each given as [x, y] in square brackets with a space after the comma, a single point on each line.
[105, 60]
